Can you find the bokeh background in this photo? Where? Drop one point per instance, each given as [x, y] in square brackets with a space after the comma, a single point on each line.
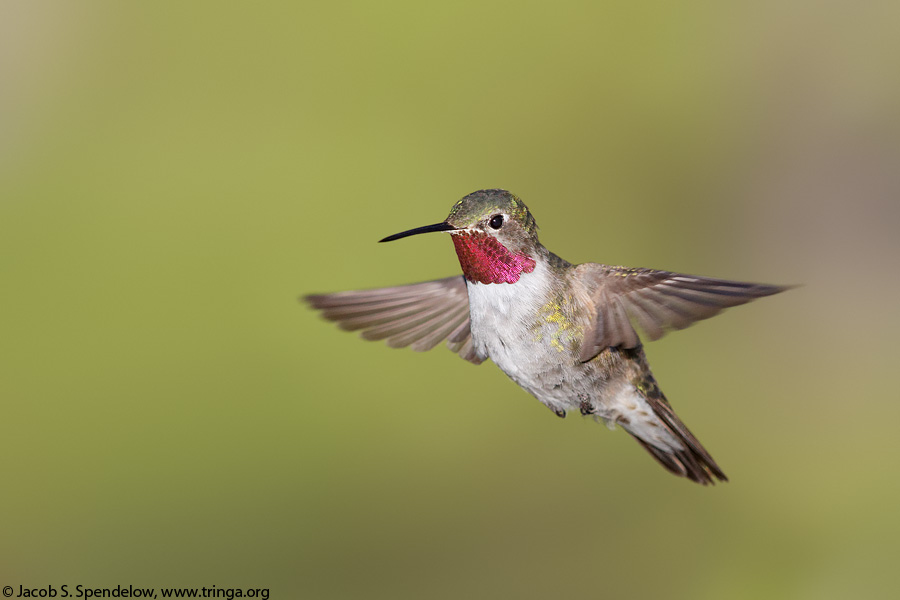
[174, 175]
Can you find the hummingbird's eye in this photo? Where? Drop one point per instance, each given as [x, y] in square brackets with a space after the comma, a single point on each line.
[496, 221]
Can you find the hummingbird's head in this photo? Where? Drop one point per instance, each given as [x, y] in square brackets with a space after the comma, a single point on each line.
[497, 213]
[494, 234]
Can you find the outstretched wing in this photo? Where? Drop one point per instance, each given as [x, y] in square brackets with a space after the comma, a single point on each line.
[420, 315]
[656, 300]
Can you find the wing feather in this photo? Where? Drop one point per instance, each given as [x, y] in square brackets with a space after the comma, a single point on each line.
[421, 314]
[657, 301]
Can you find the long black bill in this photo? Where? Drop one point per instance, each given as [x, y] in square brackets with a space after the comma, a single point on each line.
[417, 230]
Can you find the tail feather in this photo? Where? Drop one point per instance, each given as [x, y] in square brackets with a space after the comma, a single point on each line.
[700, 468]
[691, 460]
[663, 435]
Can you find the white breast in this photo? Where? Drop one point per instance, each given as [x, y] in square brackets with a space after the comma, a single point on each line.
[502, 318]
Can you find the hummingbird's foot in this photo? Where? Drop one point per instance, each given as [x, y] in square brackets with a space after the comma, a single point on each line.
[560, 412]
[586, 407]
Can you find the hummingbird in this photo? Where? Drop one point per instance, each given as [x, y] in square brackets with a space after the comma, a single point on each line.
[564, 332]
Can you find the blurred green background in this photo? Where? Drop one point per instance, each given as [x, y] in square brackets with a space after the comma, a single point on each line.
[174, 175]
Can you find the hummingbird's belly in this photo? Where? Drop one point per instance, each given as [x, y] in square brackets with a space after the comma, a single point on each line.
[533, 339]
[555, 378]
